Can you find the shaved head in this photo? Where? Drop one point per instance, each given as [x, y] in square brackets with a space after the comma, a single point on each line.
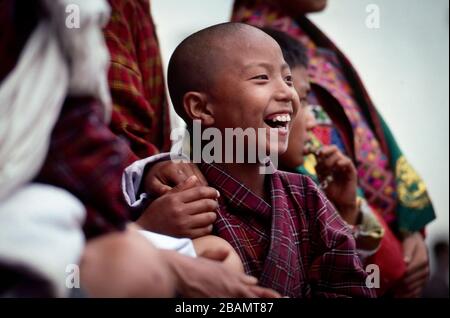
[198, 61]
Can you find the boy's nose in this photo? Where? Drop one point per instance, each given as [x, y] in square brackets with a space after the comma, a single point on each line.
[284, 92]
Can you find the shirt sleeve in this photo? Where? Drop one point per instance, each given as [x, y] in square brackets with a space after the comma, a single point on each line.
[88, 160]
[133, 176]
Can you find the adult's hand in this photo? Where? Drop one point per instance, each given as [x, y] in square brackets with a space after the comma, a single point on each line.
[201, 277]
[165, 175]
[187, 210]
[417, 271]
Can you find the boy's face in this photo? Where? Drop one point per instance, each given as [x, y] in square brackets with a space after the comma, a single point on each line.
[254, 89]
[302, 124]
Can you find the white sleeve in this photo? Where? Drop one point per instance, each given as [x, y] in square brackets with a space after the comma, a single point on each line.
[41, 232]
[181, 245]
[133, 175]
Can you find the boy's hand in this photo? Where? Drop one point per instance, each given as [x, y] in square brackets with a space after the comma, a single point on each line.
[201, 277]
[417, 270]
[165, 175]
[188, 210]
[341, 191]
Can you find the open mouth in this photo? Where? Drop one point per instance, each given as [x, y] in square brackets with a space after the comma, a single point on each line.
[278, 121]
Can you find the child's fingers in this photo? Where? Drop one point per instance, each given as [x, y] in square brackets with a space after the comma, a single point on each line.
[345, 164]
[198, 193]
[202, 220]
[201, 206]
[328, 164]
[199, 232]
[175, 173]
[200, 178]
[327, 151]
[156, 187]
[189, 183]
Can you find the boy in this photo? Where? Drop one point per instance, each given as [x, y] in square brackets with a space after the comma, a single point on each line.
[113, 265]
[287, 234]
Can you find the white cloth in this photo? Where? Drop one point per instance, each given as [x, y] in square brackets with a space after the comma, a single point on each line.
[40, 230]
[183, 246]
[132, 177]
[55, 62]
[84, 48]
[30, 100]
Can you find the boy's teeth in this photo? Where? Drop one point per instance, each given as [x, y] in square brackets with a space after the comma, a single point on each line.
[284, 118]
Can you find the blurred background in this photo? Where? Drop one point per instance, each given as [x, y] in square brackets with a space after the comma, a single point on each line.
[404, 64]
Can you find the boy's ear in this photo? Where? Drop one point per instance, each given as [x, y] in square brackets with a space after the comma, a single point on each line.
[197, 107]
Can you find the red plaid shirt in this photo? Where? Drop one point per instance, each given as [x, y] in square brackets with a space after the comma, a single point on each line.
[298, 246]
[88, 160]
[141, 113]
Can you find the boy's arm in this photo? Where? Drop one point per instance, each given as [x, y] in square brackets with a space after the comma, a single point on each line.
[155, 176]
[336, 270]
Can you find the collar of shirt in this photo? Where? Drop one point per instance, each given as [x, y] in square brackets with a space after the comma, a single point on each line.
[238, 197]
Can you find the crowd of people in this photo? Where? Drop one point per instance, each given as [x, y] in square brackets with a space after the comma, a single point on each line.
[87, 177]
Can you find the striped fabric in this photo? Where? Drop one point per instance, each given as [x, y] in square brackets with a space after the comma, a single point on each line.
[297, 244]
[140, 111]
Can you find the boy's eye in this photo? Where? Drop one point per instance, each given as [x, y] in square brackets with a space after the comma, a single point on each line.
[289, 80]
[261, 77]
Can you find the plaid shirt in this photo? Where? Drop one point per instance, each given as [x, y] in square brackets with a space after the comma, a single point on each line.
[141, 113]
[88, 160]
[298, 246]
